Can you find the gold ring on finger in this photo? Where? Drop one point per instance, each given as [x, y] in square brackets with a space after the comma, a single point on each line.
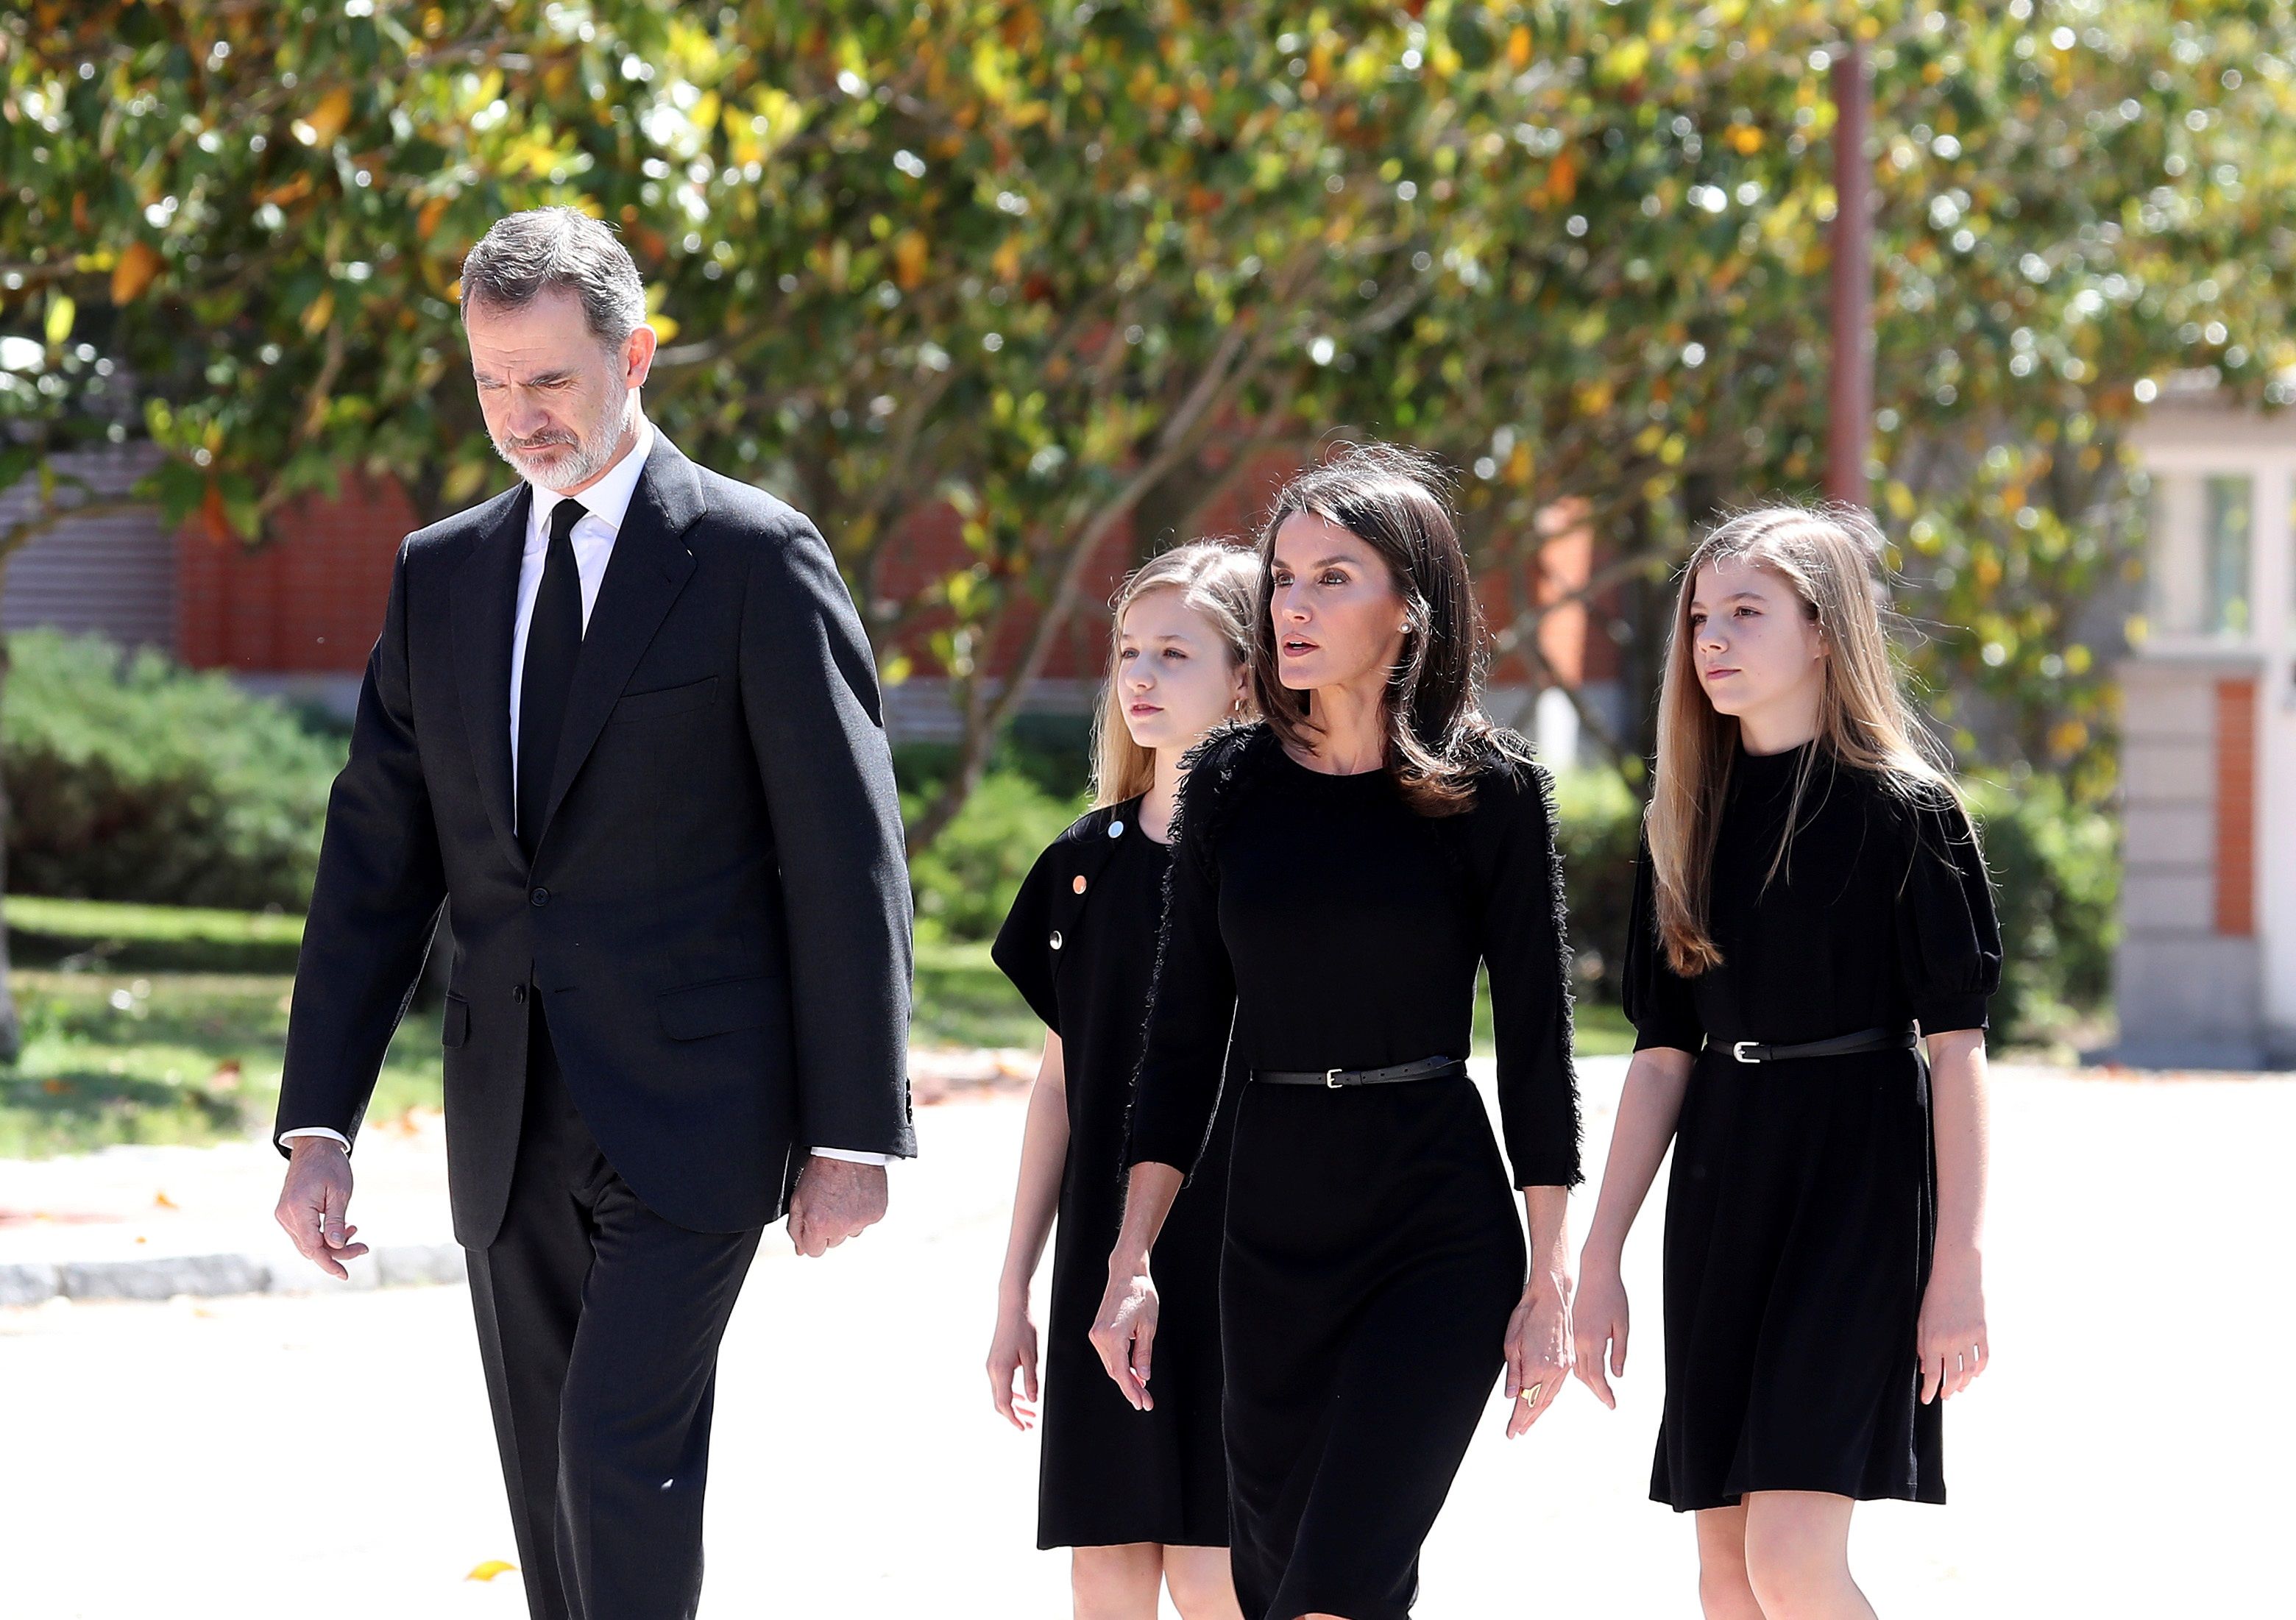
[1529, 1393]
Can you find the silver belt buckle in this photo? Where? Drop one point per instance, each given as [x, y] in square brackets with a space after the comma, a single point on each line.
[1738, 1051]
[1330, 1079]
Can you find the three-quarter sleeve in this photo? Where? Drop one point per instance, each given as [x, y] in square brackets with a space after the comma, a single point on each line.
[1192, 1006]
[1526, 948]
[1023, 948]
[1948, 937]
[1658, 1002]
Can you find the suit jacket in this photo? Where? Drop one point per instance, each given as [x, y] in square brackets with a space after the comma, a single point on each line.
[717, 915]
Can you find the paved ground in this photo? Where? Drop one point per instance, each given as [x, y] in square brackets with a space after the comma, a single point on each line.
[328, 1454]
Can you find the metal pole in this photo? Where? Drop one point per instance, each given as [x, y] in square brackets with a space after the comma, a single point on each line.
[1850, 424]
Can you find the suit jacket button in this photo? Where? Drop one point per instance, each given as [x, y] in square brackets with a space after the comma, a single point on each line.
[1056, 939]
[518, 993]
[540, 896]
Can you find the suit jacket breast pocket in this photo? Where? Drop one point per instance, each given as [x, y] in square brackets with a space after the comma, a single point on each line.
[666, 701]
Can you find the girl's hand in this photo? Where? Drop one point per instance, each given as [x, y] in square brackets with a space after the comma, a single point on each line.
[1013, 1355]
[1125, 1331]
[1951, 1337]
[1537, 1350]
[1599, 1315]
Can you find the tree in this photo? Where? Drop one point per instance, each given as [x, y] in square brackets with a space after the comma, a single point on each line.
[1061, 266]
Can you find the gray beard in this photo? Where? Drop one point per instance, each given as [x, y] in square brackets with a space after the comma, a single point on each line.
[592, 452]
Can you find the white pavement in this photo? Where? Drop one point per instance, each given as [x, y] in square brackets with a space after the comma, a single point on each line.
[329, 1456]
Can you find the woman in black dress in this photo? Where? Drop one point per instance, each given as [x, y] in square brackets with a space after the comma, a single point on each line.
[1141, 1498]
[1810, 891]
[1339, 874]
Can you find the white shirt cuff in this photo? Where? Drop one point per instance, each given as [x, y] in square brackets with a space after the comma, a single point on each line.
[336, 1137]
[853, 1156]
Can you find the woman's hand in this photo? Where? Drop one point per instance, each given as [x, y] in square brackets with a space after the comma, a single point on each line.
[1951, 1337]
[1598, 1316]
[1125, 1330]
[1012, 1356]
[1537, 1349]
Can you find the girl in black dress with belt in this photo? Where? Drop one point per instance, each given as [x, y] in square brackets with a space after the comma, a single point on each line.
[1142, 1499]
[1809, 892]
[1338, 875]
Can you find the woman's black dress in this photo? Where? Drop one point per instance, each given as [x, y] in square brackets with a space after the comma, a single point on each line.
[1374, 1252]
[1080, 944]
[1802, 1211]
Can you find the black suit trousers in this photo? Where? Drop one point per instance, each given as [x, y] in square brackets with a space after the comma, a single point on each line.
[599, 1324]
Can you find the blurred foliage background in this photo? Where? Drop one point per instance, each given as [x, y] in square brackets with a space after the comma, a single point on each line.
[1061, 266]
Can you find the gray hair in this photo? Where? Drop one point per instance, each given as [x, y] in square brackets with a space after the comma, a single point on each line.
[547, 250]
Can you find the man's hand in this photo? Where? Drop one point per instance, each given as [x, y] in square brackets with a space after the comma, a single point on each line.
[835, 1200]
[314, 1202]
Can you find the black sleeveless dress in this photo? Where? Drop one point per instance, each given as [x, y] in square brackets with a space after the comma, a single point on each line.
[1080, 945]
[1374, 1247]
[1801, 1210]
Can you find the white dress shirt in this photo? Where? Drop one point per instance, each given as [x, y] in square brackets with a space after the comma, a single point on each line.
[606, 503]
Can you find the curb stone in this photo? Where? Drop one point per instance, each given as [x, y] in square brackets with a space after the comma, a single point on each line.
[215, 1276]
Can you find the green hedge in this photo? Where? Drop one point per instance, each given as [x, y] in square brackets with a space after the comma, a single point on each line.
[130, 778]
[2056, 873]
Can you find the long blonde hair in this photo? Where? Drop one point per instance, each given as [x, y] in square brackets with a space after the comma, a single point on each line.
[1217, 580]
[1832, 556]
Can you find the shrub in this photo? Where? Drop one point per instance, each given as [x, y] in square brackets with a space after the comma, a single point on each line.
[1598, 819]
[2056, 874]
[130, 778]
[964, 884]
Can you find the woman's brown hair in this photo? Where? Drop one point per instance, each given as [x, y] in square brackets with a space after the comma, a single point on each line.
[1215, 579]
[1394, 501]
[1831, 556]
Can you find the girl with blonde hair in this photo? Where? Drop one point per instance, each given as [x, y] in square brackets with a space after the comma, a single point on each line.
[1142, 1497]
[1811, 910]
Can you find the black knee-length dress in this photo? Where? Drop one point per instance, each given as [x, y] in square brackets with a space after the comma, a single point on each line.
[1374, 1251]
[1801, 1210]
[1080, 945]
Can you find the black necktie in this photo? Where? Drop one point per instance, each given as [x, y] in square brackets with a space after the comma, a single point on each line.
[554, 639]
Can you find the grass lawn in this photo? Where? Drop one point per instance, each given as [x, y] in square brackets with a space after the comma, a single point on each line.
[157, 1024]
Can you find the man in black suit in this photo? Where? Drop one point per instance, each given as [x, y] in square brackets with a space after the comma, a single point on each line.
[625, 719]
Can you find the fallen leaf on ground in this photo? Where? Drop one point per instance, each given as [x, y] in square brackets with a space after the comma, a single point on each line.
[161, 1200]
[488, 1570]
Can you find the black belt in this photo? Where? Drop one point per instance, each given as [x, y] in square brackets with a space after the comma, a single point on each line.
[1332, 1079]
[1837, 1046]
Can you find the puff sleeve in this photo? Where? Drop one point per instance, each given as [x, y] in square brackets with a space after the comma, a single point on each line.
[1023, 950]
[1949, 937]
[1658, 1002]
[1525, 946]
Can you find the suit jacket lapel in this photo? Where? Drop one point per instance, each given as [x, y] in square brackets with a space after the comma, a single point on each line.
[485, 618]
[650, 566]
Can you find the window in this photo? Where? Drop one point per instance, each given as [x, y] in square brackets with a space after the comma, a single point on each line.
[2229, 519]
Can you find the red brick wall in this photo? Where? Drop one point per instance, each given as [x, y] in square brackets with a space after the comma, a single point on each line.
[2235, 829]
[310, 601]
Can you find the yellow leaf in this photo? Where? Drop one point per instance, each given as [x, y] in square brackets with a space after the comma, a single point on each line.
[909, 254]
[488, 1570]
[426, 223]
[1519, 48]
[1746, 138]
[134, 272]
[329, 117]
[321, 310]
[664, 328]
[462, 482]
[61, 311]
[704, 115]
[1563, 178]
